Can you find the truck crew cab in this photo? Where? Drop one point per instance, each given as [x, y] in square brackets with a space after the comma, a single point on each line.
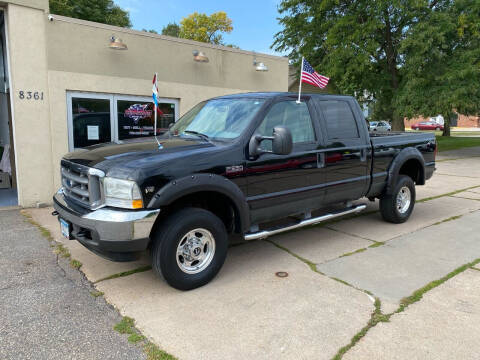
[253, 164]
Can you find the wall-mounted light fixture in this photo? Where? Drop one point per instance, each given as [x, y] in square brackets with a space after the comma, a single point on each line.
[199, 56]
[259, 66]
[117, 44]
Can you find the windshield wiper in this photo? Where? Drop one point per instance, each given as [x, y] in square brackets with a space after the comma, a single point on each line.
[204, 136]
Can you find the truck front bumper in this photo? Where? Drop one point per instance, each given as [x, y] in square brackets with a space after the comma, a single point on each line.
[115, 234]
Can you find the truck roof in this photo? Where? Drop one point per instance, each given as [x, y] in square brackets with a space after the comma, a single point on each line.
[278, 94]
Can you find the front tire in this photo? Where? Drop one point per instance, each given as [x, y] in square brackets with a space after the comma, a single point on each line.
[398, 206]
[189, 248]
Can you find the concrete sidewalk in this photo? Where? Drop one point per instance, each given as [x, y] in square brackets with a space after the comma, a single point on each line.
[334, 273]
[46, 309]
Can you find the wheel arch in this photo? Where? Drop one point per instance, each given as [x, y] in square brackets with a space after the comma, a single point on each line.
[408, 162]
[209, 191]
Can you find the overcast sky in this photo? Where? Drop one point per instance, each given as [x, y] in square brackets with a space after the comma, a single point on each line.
[254, 22]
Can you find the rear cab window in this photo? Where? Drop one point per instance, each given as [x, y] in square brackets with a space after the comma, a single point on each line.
[340, 122]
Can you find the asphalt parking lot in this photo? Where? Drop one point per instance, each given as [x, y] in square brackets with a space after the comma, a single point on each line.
[358, 288]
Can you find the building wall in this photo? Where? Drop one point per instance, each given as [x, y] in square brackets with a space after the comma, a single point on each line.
[31, 121]
[55, 57]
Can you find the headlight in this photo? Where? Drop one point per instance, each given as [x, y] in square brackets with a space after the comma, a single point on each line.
[122, 193]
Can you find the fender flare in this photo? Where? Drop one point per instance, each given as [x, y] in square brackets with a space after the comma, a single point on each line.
[194, 183]
[403, 156]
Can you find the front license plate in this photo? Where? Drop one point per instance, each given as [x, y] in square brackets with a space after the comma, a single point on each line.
[65, 226]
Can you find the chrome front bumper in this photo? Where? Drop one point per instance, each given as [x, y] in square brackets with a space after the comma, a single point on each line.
[108, 231]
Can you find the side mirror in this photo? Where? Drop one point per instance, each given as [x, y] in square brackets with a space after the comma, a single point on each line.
[281, 142]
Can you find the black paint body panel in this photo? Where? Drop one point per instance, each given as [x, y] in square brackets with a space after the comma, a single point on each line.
[271, 186]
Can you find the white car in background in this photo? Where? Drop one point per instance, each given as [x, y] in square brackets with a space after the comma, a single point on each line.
[380, 126]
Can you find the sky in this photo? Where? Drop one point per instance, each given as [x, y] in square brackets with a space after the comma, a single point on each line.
[254, 22]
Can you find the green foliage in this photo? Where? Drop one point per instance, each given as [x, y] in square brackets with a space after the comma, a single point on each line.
[125, 326]
[151, 31]
[204, 28]
[101, 11]
[172, 29]
[441, 73]
[389, 52]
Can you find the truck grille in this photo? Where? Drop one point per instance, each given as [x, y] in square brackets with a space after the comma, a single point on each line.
[82, 184]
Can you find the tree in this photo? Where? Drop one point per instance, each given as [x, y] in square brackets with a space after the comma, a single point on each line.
[356, 43]
[102, 11]
[442, 67]
[201, 27]
[151, 31]
[172, 29]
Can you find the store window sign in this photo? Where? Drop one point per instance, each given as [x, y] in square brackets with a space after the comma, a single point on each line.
[137, 112]
[93, 132]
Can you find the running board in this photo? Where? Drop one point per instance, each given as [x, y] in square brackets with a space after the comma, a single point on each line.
[312, 221]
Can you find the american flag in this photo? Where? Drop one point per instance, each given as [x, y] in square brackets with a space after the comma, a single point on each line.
[310, 76]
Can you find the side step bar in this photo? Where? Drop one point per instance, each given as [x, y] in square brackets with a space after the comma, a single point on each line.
[312, 221]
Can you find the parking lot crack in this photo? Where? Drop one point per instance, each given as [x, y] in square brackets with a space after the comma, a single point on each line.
[125, 273]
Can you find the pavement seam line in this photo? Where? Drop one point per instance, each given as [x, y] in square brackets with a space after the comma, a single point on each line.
[405, 302]
[465, 176]
[314, 268]
[448, 194]
[124, 273]
[346, 233]
[376, 317]
[461, 197]
[417, 295]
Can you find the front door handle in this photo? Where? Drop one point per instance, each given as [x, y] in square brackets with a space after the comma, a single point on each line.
[363, 155]
[320, 160]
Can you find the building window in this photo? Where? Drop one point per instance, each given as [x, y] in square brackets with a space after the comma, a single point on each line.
[137, 119]
[102, 118]
[91, 122]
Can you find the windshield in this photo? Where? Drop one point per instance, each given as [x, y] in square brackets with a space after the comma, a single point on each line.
[218, 118]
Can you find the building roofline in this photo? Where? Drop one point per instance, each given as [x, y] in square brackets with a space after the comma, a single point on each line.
[118, 29]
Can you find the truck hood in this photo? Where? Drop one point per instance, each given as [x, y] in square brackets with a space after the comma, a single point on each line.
[123, 158]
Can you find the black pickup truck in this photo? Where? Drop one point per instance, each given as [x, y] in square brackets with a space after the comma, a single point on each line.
[251, 164]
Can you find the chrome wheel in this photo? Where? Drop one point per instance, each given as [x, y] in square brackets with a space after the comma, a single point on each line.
[404, 198]
[195, 251]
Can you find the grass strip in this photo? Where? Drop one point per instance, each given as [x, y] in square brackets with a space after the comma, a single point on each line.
[75, 264]
[353, 252]
[96, 293]
[125, 273]
[376, 317]
[447, 143]
[418, 294]
[448, 219]
[447, 194]
[153, 352]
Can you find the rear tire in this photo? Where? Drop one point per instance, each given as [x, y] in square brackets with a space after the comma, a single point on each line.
[398, 206]
[189, 248]
[437, 129]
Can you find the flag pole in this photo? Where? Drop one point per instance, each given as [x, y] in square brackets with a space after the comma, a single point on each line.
[155, 109]
[300, 86]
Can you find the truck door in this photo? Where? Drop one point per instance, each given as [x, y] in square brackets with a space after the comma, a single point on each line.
[345, 155]
[278, 185]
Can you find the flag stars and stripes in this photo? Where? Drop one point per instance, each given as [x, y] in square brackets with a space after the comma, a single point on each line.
[310, 76]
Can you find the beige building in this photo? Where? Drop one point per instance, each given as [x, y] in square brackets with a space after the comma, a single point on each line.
[64, 87]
